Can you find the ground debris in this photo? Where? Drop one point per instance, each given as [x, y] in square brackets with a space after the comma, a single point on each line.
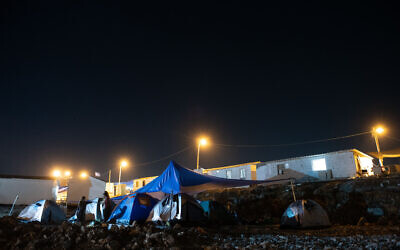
[15, 235]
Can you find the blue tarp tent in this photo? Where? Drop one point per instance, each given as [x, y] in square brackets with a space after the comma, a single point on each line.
[176, 179]
[133, 207]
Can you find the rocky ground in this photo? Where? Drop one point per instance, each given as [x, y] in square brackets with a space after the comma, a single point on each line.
[371, 200]
[364, 212]
[16, 235]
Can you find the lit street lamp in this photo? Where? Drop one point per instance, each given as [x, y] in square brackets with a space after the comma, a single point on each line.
[122, 164]
[83, 175]
[202, 142]
[375, 132]
[67, 173]
[57, 173]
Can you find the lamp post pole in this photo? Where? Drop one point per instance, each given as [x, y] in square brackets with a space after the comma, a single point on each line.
[378, 149]
[202, 141]
[120, 170]
[198, 155]
[375, 132]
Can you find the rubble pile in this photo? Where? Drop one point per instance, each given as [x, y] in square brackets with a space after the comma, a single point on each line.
[371, 200]
[16, 235]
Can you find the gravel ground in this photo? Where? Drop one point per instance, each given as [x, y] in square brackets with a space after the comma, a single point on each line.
[16, 235]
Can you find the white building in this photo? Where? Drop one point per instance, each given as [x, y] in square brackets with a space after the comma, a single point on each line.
[89, 187]
[244, 171]
[28, 188]
[332, 165]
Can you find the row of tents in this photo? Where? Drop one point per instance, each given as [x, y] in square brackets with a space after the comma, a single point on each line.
[168, 198]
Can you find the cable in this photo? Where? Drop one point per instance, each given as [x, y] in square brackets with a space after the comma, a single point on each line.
[164, 158]
[293, 144]
[392, 138]
[151, 162]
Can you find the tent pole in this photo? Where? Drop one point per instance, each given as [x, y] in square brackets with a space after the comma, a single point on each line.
[12, 207]
[291, 184]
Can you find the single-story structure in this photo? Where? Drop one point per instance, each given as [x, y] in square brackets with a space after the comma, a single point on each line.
[333, 165]
[141, 182]
[89, 187]
[28, 188]
[244, 171]
[339, 164]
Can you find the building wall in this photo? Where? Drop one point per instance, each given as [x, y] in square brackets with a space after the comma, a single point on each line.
[235, 172]
[28, 190]
[342, 165]
[141, 182]
[90, 187]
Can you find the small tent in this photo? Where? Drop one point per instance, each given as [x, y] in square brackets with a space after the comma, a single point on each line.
[133, 207]
[304, 214]
[44, 211]
[180, 207]
[93, 211]
[217, 213]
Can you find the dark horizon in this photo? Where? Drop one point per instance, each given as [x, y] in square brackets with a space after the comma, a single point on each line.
[85, 84]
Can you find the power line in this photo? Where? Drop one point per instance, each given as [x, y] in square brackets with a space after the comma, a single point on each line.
[151, 162]
[392, 138]
[293, 144]
[164, 158]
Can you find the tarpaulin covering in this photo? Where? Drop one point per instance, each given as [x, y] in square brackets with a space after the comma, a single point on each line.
[176, 179]
[133, 207]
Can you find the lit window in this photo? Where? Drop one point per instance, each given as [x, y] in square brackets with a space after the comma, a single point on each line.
[319, 165]
[242, 173]
[229, 174]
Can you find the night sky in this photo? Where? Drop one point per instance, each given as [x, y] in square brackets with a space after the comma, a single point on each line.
[84, 83]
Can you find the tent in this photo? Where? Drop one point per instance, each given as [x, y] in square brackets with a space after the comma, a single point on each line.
[217, 213]
[44, 211]
[176, 179]
[94, 211]
[133, 207]
[304, 214]
[181, 207]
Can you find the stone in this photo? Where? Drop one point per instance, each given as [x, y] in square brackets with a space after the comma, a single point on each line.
[113, 245]
[169, 240]
[361, 221]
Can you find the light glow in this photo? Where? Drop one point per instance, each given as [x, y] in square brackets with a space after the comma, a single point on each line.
[56, 173]
[67, 173]
[379, 130]
[124, 163]
[203, 141]
[83, 175]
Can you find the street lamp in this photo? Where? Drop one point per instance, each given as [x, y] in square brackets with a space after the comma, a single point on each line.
[202, 142]
[122, 164]
[83, 175]
[375, 132]
[57, 173]
[67, 174]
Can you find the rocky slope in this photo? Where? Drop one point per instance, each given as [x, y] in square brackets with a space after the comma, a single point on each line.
[373, 200]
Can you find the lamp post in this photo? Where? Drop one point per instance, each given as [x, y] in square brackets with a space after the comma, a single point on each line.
[375, 132]
[203, 142]
[122, 164]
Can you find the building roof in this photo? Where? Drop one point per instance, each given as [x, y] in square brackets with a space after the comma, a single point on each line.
[5, 176]
[205, 170]
[144, 178]
[317, 155]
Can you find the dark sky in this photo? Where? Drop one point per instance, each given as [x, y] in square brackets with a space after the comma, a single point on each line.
[84, 83]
